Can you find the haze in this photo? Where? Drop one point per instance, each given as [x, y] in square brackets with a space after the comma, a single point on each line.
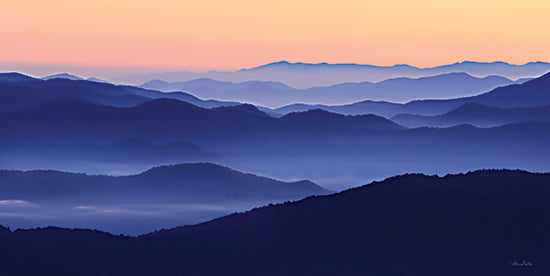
[204, 35]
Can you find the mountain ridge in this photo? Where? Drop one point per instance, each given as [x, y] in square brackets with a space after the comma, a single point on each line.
[402, 89]
[306, 75]
[478, 115]
[199, 182]
[478, 222]
[35, 91]
[531, 93]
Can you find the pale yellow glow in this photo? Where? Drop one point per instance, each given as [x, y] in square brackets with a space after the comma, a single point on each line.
[236, 34]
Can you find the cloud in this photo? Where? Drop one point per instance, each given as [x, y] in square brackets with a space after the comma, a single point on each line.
[14, 202]
[113, 210]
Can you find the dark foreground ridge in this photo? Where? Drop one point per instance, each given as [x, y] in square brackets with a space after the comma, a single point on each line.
[480, 223]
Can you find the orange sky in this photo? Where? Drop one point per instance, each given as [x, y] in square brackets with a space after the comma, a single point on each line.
[206, 34]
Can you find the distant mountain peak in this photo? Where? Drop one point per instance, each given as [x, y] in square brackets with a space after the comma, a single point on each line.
[205, 170]
[544, 79]
[280, 62]
[187, 167]
[312, 113]
[245, 108]
[403, 65]
[325, 117]
[15, 77]
[63, 76]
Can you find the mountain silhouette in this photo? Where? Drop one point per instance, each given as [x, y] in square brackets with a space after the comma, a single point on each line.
[73, 77]
[531, 93]
[268, 93]
[15, 77]
[476, 223]
[306, 75]
[27, 92]
[478, 115]
[170, 119]
[316, 145]
[183, 183]
[63, 76]
[323, 120]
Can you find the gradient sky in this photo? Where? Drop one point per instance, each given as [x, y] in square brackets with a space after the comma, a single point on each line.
[206, 34]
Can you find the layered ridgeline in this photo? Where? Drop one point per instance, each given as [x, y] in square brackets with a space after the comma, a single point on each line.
[22, 92]
[18, 91]
[532, 93]
[72, 77]
[182, 183]
[164, 196]
[477, 115]
[276, 94]
[306, 75]
[163, 130]
[485, 222]
[332, 149]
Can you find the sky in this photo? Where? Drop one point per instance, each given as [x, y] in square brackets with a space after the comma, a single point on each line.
[118, 37]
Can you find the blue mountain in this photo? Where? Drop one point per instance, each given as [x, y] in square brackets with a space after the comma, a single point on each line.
[62, 76]
[478, 115]
[169, 119]
[266, 93]
[182, 183]
[18, 91]
[316, 145]
[532, 93]
[72, 77]
[73, 129]
[307, 75]
[480, 223]
[15, 77]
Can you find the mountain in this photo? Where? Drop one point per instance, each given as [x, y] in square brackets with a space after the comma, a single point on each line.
[15, 77]
[73, 129]
[489, 222]
[137, 203]
[73, 77]
[307, 75]
[18, 91]
[273, 94]
[168, 119]
[477, 115]
[400, 90]
[323, 121]
[531, 93]
[381, 108]
[63, 76]
[257, 92]
[535, 92]
[198, 182]
[334, 150]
